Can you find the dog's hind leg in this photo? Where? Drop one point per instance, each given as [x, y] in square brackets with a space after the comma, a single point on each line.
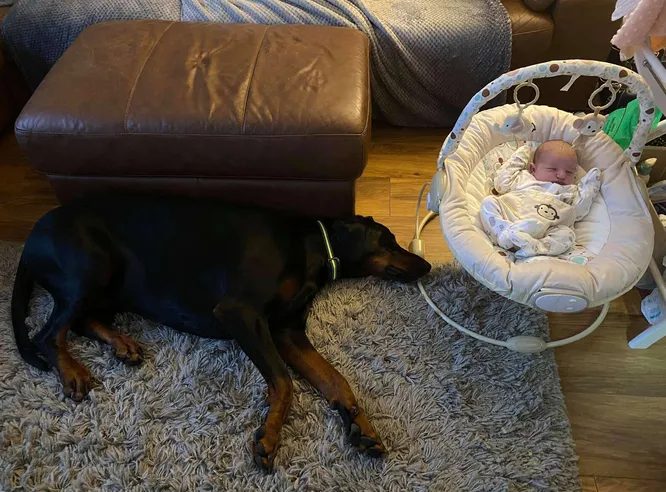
[297, 351]
[52, 341]
[97, 326]
[250, 329]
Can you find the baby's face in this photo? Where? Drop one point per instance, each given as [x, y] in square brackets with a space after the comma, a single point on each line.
[555, 166]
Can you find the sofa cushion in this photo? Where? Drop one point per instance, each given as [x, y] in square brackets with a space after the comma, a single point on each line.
[532, 33]
[160, 98]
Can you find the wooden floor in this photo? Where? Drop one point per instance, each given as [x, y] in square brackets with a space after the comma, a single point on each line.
[616, 397]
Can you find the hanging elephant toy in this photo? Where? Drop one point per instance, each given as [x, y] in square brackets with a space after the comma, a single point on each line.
[518, 124]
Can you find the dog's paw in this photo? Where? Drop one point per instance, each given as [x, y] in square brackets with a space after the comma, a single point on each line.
[370, 445]
[360, 432]
[263, 450]
[127, 350]
[76, 381]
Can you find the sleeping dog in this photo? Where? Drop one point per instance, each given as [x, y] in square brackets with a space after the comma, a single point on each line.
[206, 268]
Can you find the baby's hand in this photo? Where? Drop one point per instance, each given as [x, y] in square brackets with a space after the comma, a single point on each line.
[592, 180]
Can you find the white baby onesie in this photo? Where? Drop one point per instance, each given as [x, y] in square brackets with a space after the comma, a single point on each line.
[535, 217]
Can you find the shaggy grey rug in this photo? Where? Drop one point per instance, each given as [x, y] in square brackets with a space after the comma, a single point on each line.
[454, 414]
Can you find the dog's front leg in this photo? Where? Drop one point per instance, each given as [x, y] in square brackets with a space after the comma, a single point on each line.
[250, 330]
[297, 351]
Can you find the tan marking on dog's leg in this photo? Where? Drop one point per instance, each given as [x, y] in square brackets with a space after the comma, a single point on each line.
[125, 347]
[75, 377]
[250, 330]
[298, 352]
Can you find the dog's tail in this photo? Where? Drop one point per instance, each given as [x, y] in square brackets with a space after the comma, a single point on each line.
[20, 303]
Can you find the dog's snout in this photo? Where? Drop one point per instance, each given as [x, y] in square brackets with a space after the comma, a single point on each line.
[421, 266]
[406, 267]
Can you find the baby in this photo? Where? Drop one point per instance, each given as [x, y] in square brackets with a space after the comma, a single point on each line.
[538, 202]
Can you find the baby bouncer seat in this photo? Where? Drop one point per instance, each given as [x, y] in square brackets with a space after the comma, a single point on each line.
[614, 241]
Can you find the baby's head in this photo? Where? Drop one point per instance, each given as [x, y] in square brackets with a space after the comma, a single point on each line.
[555, 161]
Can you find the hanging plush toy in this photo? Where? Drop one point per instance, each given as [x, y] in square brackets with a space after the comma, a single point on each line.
[515, 124]
[519, 125]
[589, 125]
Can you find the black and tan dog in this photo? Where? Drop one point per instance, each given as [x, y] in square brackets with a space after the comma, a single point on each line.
[205, 268]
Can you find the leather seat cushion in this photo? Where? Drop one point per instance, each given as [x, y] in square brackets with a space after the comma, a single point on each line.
[532, 33]
[159, 98]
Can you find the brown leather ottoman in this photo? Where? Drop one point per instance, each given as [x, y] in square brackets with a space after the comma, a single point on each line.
[272, 115]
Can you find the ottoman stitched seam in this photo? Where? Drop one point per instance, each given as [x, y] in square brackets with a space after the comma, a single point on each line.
[249, 84]
[138, 76]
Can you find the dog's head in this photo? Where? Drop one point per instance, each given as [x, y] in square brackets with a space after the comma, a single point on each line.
[366, 247]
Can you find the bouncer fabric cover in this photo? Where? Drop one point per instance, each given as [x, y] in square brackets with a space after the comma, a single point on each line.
[616, 237]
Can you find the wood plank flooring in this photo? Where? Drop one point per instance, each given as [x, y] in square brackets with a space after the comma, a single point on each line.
[616, 397]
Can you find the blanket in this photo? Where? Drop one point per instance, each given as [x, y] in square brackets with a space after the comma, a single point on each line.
[428, 58]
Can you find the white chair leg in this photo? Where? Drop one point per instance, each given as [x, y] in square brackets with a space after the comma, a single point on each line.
[651, 335]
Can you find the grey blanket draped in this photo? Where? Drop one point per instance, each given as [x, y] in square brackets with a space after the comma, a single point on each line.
[428, 57]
